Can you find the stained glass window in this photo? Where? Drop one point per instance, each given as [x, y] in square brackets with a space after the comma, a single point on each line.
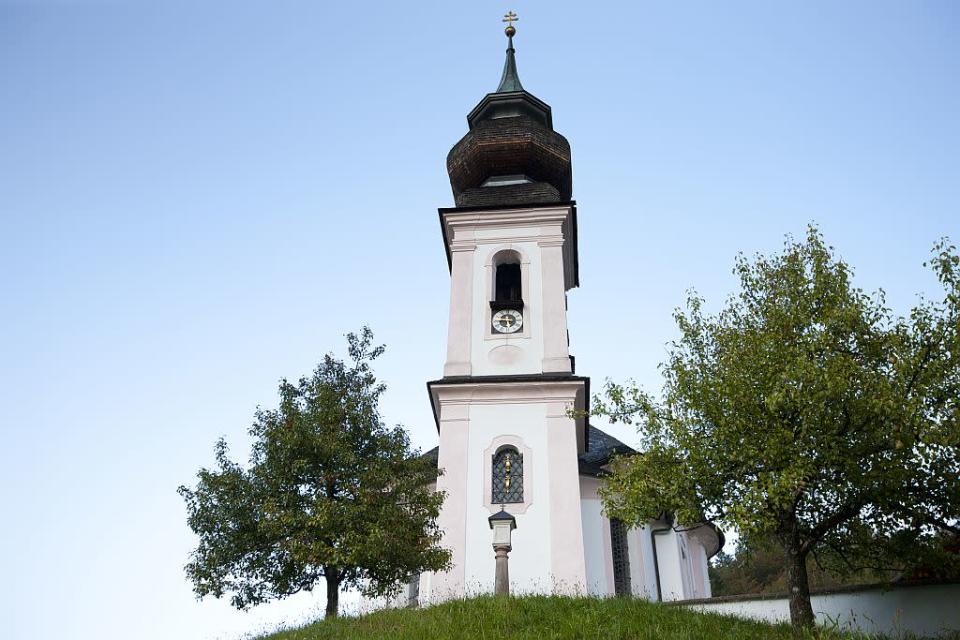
[621, 558]
[507, 481]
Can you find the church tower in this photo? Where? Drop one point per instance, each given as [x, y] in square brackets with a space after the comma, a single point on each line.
[504, 404]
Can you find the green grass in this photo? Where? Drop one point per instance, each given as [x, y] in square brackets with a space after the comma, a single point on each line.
[546, 617]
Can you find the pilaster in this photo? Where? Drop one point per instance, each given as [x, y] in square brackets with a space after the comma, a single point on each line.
[460, 325]
[556, 354]
[567, 560]
[454, 426]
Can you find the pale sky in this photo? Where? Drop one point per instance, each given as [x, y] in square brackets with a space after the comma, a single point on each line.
[200, 198]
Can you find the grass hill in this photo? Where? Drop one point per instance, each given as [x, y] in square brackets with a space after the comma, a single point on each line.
[546, 618]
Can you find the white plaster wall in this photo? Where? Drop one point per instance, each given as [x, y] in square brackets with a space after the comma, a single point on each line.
[530, 558]
[567, 562]
[596, 541]
[641, 564]
[540, 237]
[548, 545]
[507, 354]
[679, 580]
[671, 570]
[701, 572]
[922, 610]
[648, 588]
[453, 454]
[687, 560]
[599, 553]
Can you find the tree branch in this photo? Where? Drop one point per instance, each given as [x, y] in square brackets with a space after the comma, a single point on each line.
[826, 525]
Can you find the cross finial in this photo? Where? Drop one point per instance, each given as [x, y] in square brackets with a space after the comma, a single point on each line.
[510, 17]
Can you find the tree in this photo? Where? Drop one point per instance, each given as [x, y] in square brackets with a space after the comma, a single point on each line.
[804, 411]
[330, 492]
[757, 567]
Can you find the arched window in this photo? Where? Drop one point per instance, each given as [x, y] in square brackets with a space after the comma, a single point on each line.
[508, 283]
[508, 279]
[621, 557]
[507, 480]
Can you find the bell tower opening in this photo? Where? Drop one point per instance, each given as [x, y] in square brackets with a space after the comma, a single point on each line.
[509, 284]
[506, 302]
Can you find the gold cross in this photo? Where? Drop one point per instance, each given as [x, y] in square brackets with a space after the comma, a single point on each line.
[510, 17]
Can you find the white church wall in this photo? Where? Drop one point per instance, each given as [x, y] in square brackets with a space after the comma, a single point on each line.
[648, 587]
[671, 570]
[475, 418]
[701, 573]
[530, 558]
[453, 457]
[460, 322]
[596, 539]
[539, 238]
[924, 610]
[548, 544]
[521, 352]
[598, 552]
[682, 559]
[641, 564]
[567, 563]
[426, 581]
[686, 566]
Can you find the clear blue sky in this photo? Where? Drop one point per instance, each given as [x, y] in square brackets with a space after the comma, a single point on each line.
[200, 198]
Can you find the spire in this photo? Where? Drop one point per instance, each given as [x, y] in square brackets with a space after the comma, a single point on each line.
[511, 155]
[510, 100]
[510, 81]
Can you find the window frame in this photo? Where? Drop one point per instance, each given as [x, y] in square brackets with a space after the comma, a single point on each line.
[516, 475]
[499, 255]
[485, 489]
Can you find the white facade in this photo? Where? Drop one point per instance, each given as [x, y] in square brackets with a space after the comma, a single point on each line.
[539, 239]
[518, 390]
[924, 610]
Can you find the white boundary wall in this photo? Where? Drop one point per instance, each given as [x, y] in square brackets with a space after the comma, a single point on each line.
[925, 610]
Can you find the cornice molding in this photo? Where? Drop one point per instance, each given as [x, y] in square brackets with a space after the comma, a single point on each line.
[563, 214]
[553, 226]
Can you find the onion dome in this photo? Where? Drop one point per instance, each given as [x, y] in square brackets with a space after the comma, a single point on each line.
[511, 155]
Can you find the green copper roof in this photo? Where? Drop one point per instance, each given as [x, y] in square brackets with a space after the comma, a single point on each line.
[510, 81]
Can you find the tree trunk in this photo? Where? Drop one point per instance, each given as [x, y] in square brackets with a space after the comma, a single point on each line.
[801, 611]
[333, 592]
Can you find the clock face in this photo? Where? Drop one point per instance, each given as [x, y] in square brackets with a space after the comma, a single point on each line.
[507, 321]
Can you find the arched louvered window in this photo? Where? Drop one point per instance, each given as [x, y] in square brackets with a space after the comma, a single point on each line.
[508, 285]
[621, 557]
[507, 480]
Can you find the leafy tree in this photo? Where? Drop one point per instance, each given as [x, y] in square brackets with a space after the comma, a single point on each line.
[758, 567]
[330, 492]
[804, 411]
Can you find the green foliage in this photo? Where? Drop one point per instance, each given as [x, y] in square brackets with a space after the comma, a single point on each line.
[330, 492]
[804, 411]
[758, 567]
[549, 618]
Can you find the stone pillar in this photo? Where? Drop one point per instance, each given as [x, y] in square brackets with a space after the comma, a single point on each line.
[501, 581]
